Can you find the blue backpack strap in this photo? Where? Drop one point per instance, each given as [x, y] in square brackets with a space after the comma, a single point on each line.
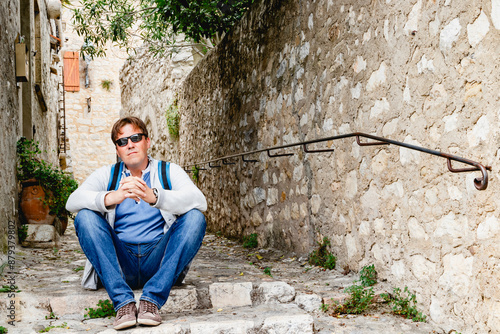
[116, 173]
[164, 174]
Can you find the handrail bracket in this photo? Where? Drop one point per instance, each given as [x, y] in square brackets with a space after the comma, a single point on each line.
[317, 151]
[278, 155]
[245, 160]
[358, 140]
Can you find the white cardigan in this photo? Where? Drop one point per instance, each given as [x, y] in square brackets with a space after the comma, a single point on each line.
[183, 197]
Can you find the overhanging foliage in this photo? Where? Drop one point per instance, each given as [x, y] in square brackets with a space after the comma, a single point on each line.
[128, 23]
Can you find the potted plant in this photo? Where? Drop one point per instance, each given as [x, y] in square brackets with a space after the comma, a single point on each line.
[45, 188]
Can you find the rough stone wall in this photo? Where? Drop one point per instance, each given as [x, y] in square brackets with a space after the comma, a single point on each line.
[425, 72]
[9, 117]
[422, 72]
[89, 132]
[149, 88]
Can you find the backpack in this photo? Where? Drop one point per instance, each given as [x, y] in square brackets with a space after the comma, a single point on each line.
[163, 171]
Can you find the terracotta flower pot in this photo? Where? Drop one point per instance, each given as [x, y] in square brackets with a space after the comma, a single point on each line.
[32, 204]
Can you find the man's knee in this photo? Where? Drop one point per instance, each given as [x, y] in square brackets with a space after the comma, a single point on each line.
[195, 218]
[196, 215]
[86, 219]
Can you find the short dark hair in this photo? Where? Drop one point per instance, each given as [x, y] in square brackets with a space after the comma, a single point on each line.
[135, 121]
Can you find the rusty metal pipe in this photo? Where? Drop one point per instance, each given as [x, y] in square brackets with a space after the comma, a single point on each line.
[480, 183]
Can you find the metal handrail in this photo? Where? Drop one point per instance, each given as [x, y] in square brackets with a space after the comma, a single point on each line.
[479, 182]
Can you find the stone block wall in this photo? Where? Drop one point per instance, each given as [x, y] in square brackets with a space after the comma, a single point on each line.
[9, 120]
[421, 72]
[424, 72]
[149, 88]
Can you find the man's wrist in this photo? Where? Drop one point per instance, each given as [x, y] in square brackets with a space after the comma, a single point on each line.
[109, 200]
[155, 193]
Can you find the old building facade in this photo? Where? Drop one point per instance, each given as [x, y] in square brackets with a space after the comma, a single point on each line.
[30, 91]
[92, 104]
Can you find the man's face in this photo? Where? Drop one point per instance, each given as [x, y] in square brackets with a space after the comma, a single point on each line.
[134, 155]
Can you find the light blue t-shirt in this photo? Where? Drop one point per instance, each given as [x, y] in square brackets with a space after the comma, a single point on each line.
[138, 223]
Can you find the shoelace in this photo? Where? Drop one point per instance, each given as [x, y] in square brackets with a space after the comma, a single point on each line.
[125, 310]
[149, 307]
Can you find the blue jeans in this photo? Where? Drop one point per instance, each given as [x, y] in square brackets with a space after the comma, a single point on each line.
[155, 267]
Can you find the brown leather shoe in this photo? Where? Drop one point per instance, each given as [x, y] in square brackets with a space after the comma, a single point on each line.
[126, 316]
[148, 314]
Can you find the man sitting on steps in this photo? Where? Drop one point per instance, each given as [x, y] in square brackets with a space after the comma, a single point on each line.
[139, 235]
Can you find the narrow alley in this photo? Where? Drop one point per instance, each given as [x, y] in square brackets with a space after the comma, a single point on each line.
[227, 290]
[300, 121]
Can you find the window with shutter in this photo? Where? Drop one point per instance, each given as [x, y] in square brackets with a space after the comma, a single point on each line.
[71, 71]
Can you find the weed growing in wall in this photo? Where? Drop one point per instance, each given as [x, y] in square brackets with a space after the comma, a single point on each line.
[250, 241]
[404, 304]
[360, 296]
[322, 257]
[173, 119]
[359, 300]
[368, 276]
[196, 173]
[106, 84]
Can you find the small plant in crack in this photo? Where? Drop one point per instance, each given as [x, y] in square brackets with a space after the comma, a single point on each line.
[104, 309]
[404, 304]
[368, 276]
[52, 315]
[324, 307]
[250, 241]
[322, 257]
[360, 298]
[47, 329]
[106, 84]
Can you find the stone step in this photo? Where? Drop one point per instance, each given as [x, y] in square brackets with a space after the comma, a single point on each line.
[71, 303]
[266, 318]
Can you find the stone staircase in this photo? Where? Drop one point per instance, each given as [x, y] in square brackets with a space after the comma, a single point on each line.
[226, 291]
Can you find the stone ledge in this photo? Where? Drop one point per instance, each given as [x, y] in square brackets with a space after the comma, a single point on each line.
[41, 236]
[189, 298]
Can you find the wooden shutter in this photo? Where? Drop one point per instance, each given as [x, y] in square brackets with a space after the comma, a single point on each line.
[71, 71]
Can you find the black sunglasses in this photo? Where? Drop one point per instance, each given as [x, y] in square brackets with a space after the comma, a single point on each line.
[134, 138]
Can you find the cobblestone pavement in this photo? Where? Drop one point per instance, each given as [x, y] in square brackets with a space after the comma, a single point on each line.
[226, 291]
